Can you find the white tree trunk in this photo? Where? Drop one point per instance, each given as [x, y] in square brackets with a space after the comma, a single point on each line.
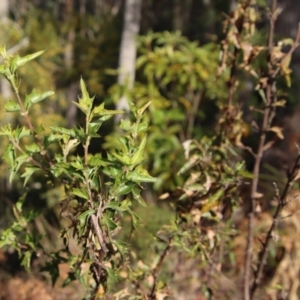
[6, 91]
[127, 56]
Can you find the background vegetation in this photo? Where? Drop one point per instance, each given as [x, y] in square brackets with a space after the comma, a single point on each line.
[195, 192]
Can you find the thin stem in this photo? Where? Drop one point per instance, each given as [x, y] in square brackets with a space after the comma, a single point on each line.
[17, 146]
[281, 204]
[270, 92]
[158, 268]
[28, 121]
[191, 120]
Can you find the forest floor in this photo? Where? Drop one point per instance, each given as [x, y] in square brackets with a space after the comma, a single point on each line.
[16, 284]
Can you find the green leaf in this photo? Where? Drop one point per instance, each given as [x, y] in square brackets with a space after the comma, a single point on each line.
[141, 111]
[35, 97]
[101, 111]
[124, 188]
[20, 61]
[85, 102]
[142, 127]
[124, 158]
[69, 132]
[96, 161]
[82, 193]
[114, 205]
[134, 218]
[28, 173]
[12, 106]
[113, 172]
[9, 154]
[21, 160]
[84, 217]
[140, 176]
[8, 238]
[126, 125]
[245, 174]
[136, 192]
[26, 260]
[111, 225]
[77, 165]
[24, 132]
[32, 148]
[138, 155]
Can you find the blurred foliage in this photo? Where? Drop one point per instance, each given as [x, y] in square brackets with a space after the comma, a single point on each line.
[180, 81]
[193, 122]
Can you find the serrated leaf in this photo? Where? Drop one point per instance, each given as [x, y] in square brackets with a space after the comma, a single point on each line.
[101, 111]
[69, 132]
[24, 132]
[9, 154]
[97, 160]
[125, 159]
[35, 97]
[142, 127]
[126, 125]
[85, 101]
[77, 165]
[12, 106]
[84, 108]
[21, 61]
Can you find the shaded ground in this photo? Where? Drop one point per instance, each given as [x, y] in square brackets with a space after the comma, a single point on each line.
[16, 284]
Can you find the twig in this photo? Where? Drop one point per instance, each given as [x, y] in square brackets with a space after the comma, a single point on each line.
[269, 113]
[192, 115]
[233, 70]
[29, 123]
[267, 118]
[158, 268]
[281, 204]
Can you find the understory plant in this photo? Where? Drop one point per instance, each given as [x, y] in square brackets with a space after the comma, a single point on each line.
[98, 190]
[196, 137]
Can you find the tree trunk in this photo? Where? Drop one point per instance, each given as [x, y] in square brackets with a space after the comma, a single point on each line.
[6, 91]
[127, 56]
[73, 88]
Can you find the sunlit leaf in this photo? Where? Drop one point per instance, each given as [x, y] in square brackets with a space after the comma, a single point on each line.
[12, 106]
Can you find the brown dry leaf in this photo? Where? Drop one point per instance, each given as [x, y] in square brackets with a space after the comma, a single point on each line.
[164, 196]
[280, 103]
[258, 195]
[247, 49]
[186, 146]
[160, 295]
[278, 131]
[297, 175]
[262, 83]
